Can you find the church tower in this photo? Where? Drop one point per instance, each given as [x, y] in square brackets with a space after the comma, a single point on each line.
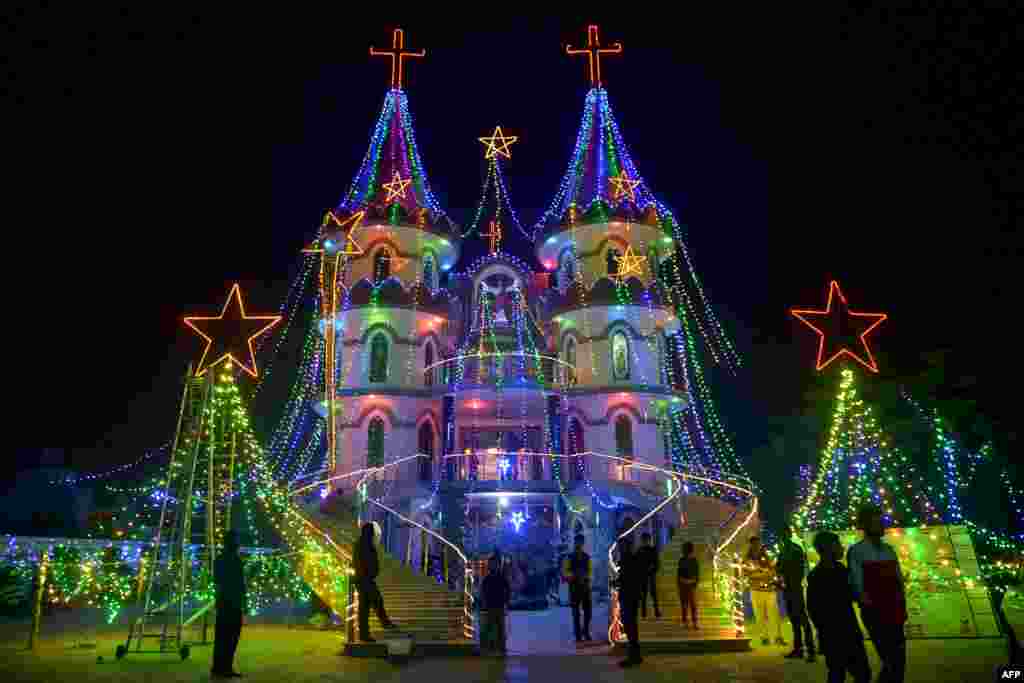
[384, 250]
[603, 242]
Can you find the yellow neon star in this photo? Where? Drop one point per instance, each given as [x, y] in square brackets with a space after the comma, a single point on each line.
[629, 264]
[227, 333]
[396, 188]
[327, 242]
[498, 144]
[623, 186]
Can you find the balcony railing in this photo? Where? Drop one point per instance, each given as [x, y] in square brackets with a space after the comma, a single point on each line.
[497, 465]
[508, 367]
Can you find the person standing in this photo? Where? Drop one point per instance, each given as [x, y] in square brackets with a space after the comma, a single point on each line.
[877, 582]
[628, 584]
[578, 573]
[647, 559]
[230, 581]
[496, 594]
[830, 606]
[367, 566]
[687, 577]
[762, 592]
[792, 566]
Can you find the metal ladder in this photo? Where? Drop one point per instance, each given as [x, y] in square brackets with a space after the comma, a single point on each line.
[197, 468]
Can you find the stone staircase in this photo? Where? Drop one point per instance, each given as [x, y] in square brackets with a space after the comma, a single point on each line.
[709, 521]
[714, 618]
[418, 604]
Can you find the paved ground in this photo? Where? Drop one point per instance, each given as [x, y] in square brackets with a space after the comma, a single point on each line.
[274, 654]
[550, 632]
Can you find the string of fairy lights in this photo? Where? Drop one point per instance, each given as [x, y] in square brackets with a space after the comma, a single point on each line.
[859, 463]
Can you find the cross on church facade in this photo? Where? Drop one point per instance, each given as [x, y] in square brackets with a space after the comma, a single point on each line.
[397, 53]
[594, 51]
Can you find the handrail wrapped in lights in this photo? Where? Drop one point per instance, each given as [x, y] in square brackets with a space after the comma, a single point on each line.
[468, 627]
[734, 587]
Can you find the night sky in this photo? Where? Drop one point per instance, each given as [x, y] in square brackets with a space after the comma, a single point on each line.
[170, 156]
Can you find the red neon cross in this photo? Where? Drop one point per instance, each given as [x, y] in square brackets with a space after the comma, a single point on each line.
[594, 51]
[397, 53]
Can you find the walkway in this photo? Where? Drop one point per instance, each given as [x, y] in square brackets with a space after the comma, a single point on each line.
[549, 632]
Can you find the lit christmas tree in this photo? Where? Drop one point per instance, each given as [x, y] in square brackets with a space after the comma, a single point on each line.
[859, 465]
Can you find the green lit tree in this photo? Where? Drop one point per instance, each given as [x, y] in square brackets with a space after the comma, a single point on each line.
[860, 465]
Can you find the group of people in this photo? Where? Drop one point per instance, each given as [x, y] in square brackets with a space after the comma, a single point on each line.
[495, 591]
[872, 579]
[638, 569]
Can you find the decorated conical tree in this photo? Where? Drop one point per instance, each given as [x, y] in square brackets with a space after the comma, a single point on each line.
[860, 465]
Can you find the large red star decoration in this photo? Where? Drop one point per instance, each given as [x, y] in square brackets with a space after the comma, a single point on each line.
[227, 330]
[841, 316]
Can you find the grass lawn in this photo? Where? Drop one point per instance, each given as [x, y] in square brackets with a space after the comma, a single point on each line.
[276, 653]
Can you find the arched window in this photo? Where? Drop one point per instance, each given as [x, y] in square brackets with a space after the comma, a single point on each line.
[379, 358]
[612, 258]
[375, 443]
[620, 356]
[624, 441]
[428, 360]
[570, 359]
[574, 435]
[382, 265]
[426, 447]
[429, 271]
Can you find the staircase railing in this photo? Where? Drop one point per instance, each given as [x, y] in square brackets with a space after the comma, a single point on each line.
[728, 579]
[615, 631]
[468, 626]
[733, 589]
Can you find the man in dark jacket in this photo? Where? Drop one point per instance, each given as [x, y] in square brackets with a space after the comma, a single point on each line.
[648, 563]
[628, 585]
[367, 567]
[791, 566]
[578, 572]
[230, 581]
[830, 605]
[496, 594]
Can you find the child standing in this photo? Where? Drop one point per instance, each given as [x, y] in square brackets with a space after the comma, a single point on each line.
[830, 606]
[687, 576]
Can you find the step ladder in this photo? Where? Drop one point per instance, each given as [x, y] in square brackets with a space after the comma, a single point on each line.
[195, 512]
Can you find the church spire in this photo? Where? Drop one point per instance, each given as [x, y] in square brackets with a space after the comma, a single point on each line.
[602, 182]
[392, 182]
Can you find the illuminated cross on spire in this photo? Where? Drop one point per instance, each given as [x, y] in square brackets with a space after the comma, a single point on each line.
[494, 235]
[397, 53]
[594, 51]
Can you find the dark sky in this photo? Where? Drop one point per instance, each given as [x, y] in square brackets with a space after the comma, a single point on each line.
[156, 160]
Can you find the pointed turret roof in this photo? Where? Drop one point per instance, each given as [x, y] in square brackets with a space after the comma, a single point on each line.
[393, 159]
[601, 177]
